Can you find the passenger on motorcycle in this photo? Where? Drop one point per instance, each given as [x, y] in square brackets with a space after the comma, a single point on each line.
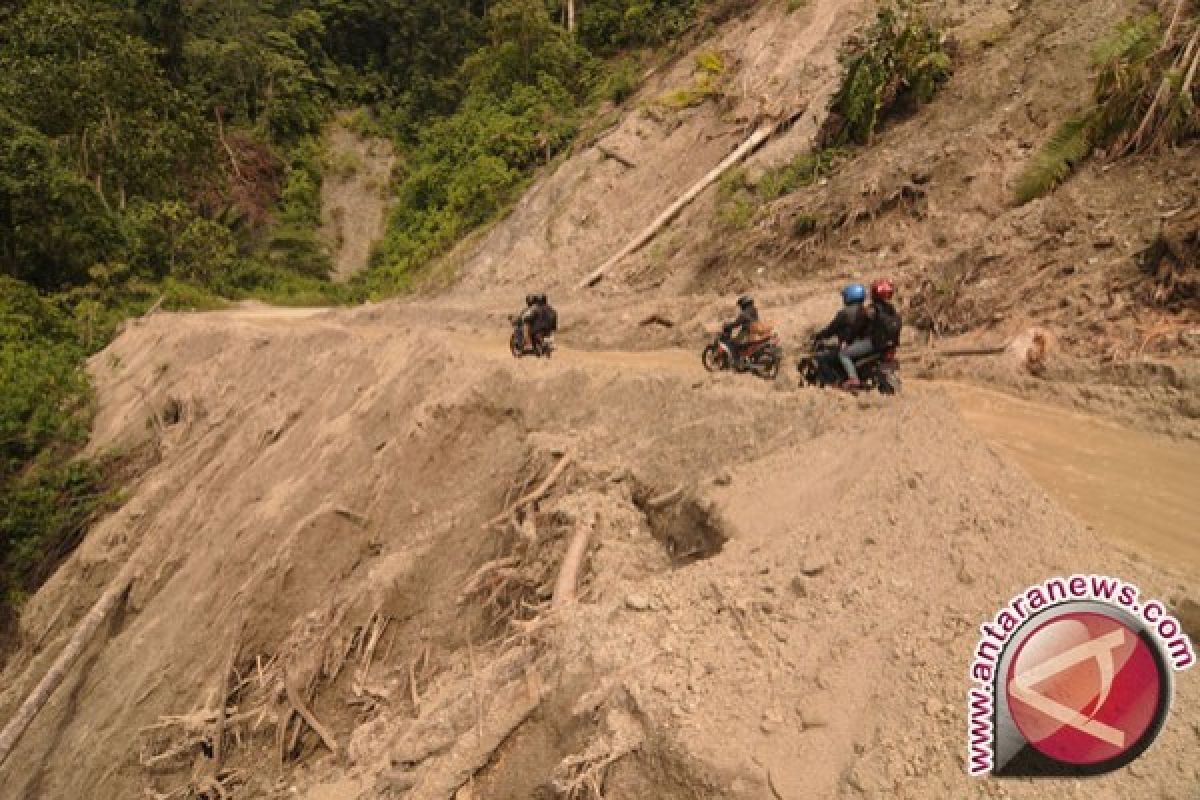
[850, 326]
[883, 320]
[746, 319]
[545, 320]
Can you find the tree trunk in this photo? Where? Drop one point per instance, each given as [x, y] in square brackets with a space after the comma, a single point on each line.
[568, 574]
[763, 133]
[571, 15]
[79, 640]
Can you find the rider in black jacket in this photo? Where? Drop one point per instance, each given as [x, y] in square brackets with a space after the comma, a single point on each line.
[851, 327]
[747, 316]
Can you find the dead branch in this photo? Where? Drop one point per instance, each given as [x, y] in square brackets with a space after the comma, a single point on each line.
[301, 708]
[225, 143]
[218, 734]
[568, 574]
[154, 308]
[361, 520]
[615, 156]
[664, 500]
[535, 495]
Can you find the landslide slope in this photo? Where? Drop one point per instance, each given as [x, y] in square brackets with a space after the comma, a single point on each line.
[799, 614]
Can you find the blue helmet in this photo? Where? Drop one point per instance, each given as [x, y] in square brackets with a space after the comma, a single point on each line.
[854, 294]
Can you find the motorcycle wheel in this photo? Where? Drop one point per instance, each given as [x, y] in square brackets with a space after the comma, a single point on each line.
[889, 384]
[712, 360]
[513, 346]
[770, 369]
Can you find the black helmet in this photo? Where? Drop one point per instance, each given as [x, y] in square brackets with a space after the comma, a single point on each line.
[745, 301]
[541, 298]
[530, 299]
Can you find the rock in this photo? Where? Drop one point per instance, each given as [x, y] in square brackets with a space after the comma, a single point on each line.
[399, 780]
[637, 602]
[1187, 611]
[723, 478]
[813, 566]
[799, 587]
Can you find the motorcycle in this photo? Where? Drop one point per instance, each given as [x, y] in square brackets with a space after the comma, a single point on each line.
[877, 371]
[541, 346]
[762, 357]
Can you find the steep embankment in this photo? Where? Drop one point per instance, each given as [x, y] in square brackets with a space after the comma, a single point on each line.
[800, 613]
[773, 64]
[778, 591]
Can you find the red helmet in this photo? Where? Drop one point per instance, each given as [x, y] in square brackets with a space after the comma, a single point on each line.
[883, 289]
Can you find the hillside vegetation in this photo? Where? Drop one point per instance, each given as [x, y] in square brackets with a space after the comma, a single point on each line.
[161, 150]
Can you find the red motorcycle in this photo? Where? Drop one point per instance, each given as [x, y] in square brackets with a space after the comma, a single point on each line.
[761, 357]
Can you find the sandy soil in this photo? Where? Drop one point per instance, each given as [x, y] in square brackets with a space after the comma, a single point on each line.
[793, 620]
[803, 618]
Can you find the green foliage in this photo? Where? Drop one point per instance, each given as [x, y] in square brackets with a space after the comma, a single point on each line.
[620, 81]
[162, 148]
[1069, 145]
[42, 414]
[897, 65]
[738, 200]
[710, 62]
[606, 26]
[39, 370]
[1141, 100]
[804, 170]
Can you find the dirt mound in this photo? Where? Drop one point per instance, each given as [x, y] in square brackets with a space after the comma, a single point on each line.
[357, 536]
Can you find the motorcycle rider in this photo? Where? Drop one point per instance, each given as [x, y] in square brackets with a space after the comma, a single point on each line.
[850, 326]
[747, 317]
[883, 320]
[526, 320]
[545, 321]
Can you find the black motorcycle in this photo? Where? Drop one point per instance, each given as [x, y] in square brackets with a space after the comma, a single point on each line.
[877, 371]
[541, 347]
[761, 358]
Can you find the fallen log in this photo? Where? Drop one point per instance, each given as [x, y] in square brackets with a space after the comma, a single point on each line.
[756, 139]
[568, 574]
[87, 627]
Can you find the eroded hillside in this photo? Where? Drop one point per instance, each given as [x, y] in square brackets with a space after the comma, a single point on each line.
[376, 557]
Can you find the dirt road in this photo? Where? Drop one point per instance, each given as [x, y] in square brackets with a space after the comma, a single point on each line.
[1135, 488]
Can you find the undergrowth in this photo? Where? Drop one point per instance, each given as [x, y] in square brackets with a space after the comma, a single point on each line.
[1145, 98]
[898, 64]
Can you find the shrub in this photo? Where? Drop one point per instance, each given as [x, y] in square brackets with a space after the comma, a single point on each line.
[1141, 100]
[896, 66]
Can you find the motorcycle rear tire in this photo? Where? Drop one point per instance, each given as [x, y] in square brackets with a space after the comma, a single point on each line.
[514, 346]
[712, 360]
[770, 369]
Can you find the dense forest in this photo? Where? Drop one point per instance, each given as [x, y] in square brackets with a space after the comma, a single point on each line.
[170, 151]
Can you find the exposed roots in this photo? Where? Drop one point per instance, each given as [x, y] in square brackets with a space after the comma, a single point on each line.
[581, 777]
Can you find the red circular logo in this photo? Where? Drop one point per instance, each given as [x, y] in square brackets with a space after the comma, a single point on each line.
[1084, 688]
